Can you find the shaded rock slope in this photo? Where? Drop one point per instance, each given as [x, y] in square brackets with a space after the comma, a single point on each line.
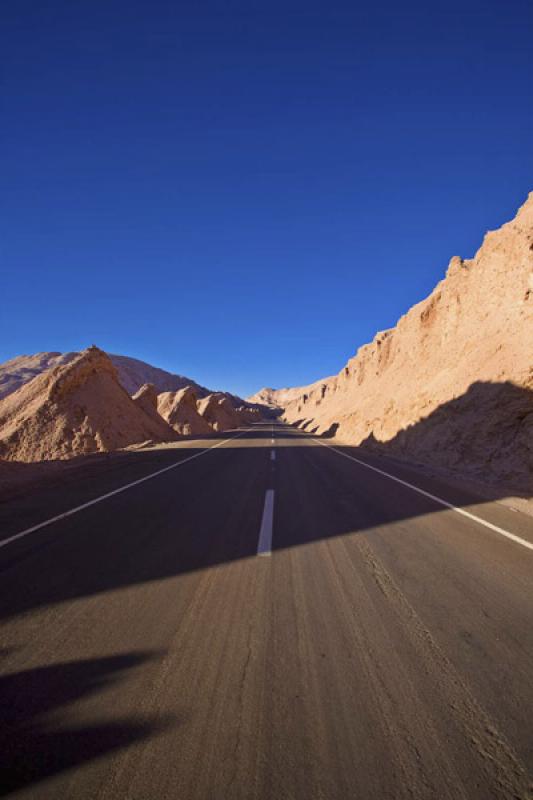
[497, 444]
[461, 362]
[75, 408]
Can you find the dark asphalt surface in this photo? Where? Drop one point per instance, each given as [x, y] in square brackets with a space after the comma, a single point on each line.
[383, 650]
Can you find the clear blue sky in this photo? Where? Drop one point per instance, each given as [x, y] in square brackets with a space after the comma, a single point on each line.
[245, 192]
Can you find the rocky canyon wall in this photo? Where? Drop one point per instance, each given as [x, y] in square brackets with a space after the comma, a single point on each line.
[452, 383]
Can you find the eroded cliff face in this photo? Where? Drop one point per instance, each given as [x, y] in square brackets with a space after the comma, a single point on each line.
[452, 383]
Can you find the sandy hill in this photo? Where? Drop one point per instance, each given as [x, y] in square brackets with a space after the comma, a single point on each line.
[476, 327]
[74, 408]
[180, 409]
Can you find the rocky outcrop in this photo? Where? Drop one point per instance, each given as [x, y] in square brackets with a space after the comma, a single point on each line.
[180, 410]
[75, 408]
[179, 406]
[280, 398]
[146, 399]
[219, 412]
[190, 415]
[437, 386]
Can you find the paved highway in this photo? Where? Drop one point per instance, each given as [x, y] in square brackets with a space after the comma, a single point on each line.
[267, 619]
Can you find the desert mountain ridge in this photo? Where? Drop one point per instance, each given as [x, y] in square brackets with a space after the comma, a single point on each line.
[74, 408]
[79, 406]
[452, 383]
[132, 373]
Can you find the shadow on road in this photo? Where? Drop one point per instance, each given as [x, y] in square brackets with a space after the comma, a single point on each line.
[208, 512]
[35, 744]
[204, 514]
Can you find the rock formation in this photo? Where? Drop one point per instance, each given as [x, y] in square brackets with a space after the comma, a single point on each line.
[452, 383]
[218, 410]
[153, 403]
[180, 410]
[74, 408]
[146, 399]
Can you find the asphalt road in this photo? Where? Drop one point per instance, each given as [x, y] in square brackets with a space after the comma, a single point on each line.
[379, 646]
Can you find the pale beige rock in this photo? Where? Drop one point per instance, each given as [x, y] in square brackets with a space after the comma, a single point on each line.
[180, 410]
[75, 408]
[452, 383]
[146, 399]
[218, 410]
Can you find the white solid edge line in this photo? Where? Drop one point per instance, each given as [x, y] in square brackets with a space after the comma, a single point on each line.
[495, 528]
[99, 499]
[264, 544]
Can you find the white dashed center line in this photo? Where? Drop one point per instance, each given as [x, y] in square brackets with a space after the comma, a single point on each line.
[264, 545]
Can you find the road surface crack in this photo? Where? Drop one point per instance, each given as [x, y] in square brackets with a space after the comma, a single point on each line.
[240, 693]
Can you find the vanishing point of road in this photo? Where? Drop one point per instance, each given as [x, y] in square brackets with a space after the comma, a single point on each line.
[264, 616]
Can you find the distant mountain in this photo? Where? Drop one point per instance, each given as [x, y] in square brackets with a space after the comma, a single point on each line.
[132, 373]
[18, 371]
